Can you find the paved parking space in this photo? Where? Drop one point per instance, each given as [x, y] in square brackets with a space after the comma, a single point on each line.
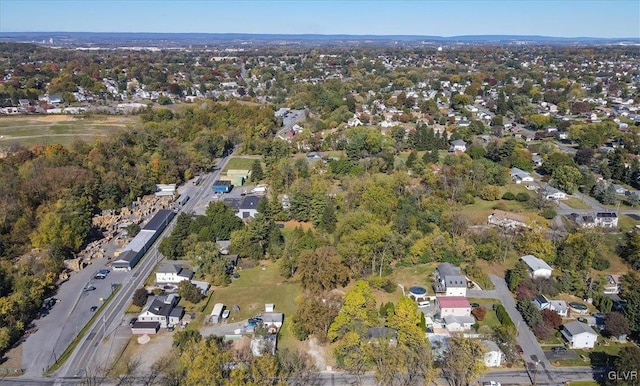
[560, 355]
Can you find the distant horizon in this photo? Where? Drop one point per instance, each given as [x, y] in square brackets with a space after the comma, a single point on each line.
[607, 19]
[4, 33]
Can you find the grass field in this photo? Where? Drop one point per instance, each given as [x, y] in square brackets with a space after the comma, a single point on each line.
[240, 163]
[599, 356]
[256, 287]
[478, 212]
[576, 203]
[59, 129]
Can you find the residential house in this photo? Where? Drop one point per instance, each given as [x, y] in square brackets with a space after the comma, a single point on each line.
[606, 219]
[519, 176]
[245, 207]
[507, 220]
[455, 313]
[458, 146]
[537, 160]
[538, 268]
[493, 355]
[449, 281]
[553, 194]
[163, 310]
[173, 274]
[559, 306]
[612, 287]
[579, 335]
[273, 320]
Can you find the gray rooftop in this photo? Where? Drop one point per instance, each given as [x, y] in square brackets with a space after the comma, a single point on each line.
[535, 263]
[576, 328]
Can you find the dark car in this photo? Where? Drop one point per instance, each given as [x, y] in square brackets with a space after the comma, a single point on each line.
[475, 305]
[133, 321]
[93, 309]
[520, 350]
[558, 349]
[89, 288]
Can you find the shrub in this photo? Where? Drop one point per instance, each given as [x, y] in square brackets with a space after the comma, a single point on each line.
[508, 196]
[600, 264]
[522, 197]
[490, 193]
[548, 213]
[479, 313]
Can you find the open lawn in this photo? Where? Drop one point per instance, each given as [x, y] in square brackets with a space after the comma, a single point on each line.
[59, 129]
[490, 318]
[626, 223]
[576, 203]
[601, 355]
[478, 212]
[240, 163]
[256, 287]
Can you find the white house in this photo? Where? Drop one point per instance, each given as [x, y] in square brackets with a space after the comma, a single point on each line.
[551, 193]
[606, 220]
[579, 335]
[519, 176]
[449, 281]
[173, 274]
[458, 146]
[453, 306]
[493, 355]
[538, 268]
[559, 306]
[162, 310]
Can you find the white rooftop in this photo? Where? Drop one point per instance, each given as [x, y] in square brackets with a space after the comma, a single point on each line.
[535, 263]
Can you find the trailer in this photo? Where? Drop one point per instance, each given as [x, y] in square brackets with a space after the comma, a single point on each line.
[182, 199]
[197, 180]
[217, 313]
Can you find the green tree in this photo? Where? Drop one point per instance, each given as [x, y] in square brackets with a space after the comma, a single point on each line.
[256, 171]
[140, 297]
[189, 292]
[566, 178]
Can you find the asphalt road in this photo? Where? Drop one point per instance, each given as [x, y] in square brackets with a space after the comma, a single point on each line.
[530, 347]
[291, 119]
[113, 313]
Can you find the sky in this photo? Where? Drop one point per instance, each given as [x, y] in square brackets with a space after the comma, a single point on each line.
[560, 18]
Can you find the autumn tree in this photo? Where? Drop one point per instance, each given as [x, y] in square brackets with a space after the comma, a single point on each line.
[358, 312]
[314, 315]
[479, 313]
[321, 270]
[615, 324]
[462, 363]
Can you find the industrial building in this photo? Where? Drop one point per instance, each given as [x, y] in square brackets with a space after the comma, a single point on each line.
[139, 245]
[222, 186]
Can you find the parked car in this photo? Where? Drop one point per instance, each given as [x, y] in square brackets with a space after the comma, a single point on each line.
[132, 321]
[520, 350]
[491, 383]
[475, 305]
[89, 288]
[558, 349]
[93, 308]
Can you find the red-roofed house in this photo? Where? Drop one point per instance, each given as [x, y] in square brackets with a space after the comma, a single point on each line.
[453, 306]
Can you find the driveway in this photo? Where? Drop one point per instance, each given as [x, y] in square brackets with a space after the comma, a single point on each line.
[525, 338]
